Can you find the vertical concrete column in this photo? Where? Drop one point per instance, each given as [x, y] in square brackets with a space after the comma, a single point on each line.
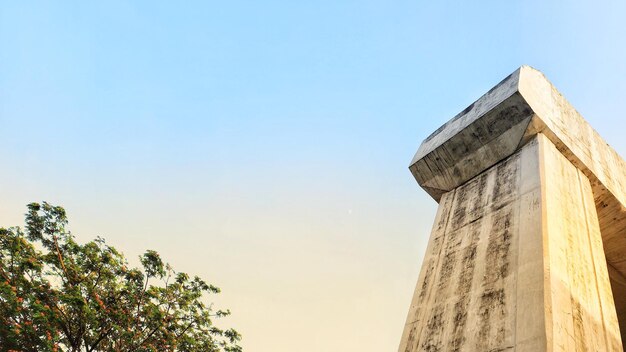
[516, 257]
[515, 262]
[578, 296]
[466, 295]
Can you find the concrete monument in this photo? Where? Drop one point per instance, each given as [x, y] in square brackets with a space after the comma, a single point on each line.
[528, 248]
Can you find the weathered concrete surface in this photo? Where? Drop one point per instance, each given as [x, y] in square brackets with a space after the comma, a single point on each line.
[467, 286]
[515, 263]
[500, 123]
[580, 302]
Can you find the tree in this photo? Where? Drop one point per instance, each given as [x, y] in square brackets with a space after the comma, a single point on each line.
[59, 295]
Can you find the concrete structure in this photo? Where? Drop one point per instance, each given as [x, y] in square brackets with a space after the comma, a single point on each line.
[528, 249]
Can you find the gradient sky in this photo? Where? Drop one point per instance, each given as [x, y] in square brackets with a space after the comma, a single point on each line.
[264, 145]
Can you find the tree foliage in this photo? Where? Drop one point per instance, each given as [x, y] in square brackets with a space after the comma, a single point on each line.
[59, 295]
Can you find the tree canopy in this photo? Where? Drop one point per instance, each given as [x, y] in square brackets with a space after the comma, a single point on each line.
[59, 295]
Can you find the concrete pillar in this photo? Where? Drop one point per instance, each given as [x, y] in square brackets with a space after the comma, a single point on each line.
[528, 248]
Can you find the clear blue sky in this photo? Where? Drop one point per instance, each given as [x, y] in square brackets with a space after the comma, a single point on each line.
[264, 144]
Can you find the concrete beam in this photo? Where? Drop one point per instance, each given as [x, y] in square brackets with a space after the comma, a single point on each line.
[501, 122]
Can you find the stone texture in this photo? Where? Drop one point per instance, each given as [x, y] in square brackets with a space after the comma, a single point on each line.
[528, 249]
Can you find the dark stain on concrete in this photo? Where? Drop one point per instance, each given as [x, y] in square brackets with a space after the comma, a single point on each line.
[447, 268]
[463, 290]
[497, 257]
[460, 204]
[493, 299]
[431, 341]
[476, 209]
[506, 182]
[426, 283]
[492, 308]
[411, 339]
[579, 330]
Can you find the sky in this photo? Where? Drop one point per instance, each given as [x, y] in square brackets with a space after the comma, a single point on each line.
[264, 145]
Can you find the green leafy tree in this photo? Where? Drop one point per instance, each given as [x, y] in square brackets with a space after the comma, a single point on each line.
[59, 295]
